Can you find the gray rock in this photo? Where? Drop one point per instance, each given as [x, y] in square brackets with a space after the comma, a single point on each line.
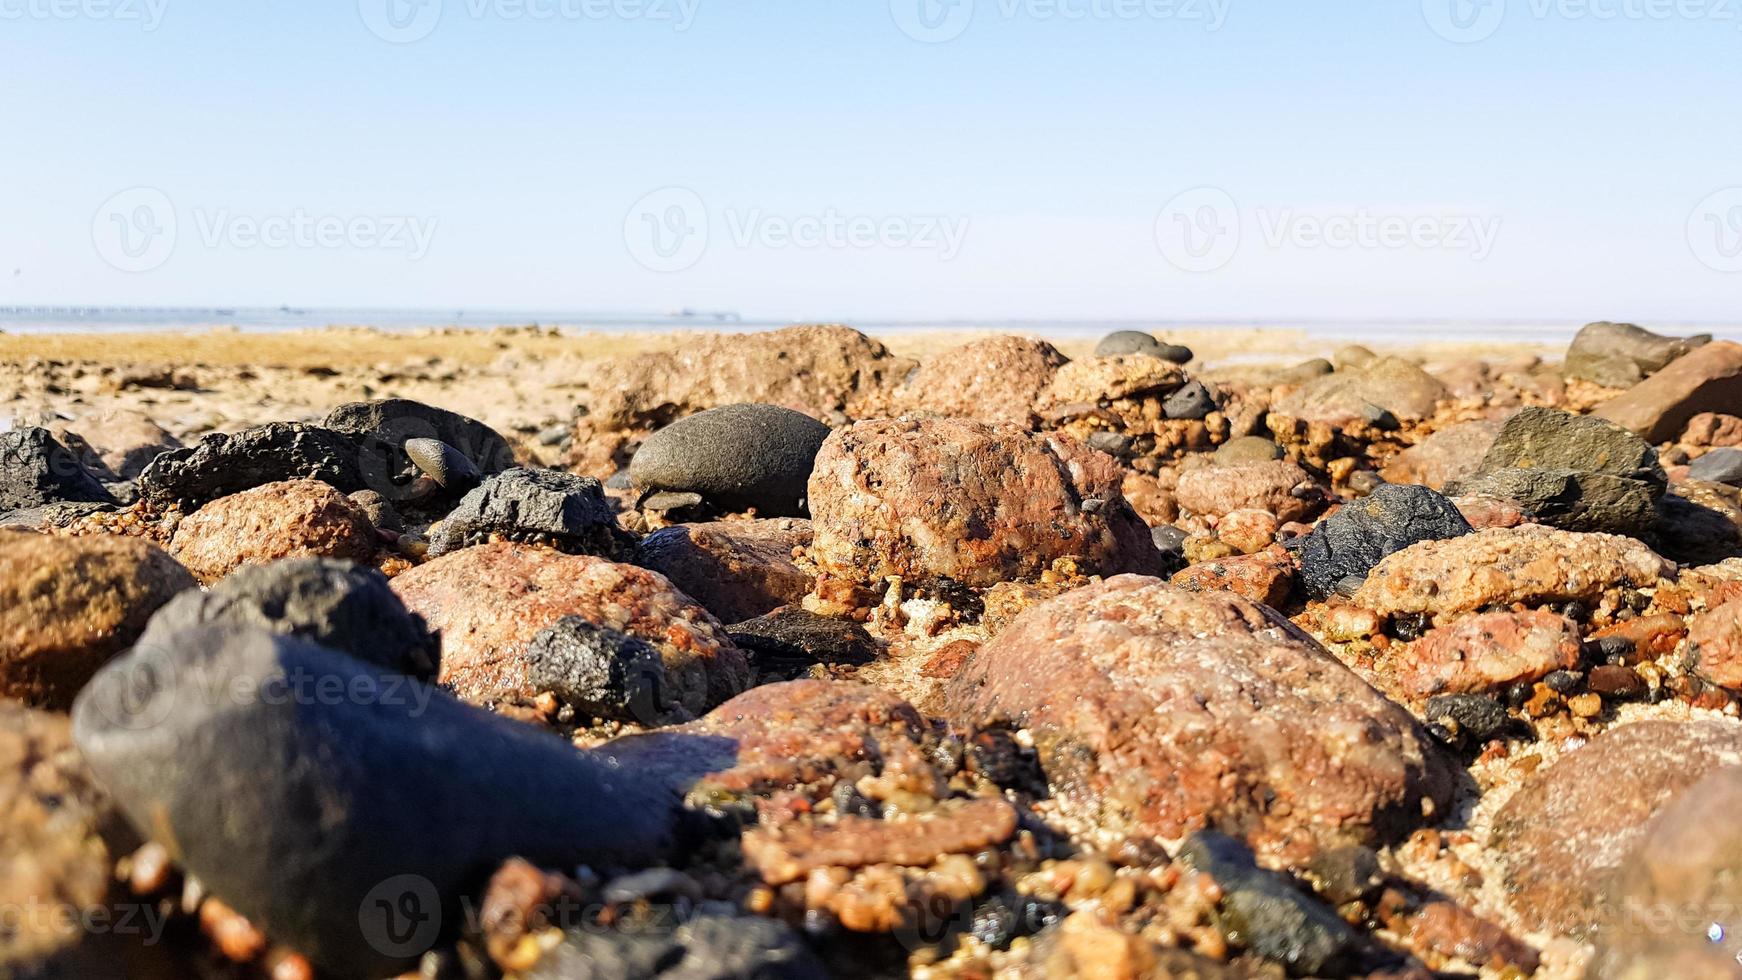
[1718, 466]
[36, 470]
[341, 808]
[791, 638]
[1193, 401]
[223, 464]
[1246, 449]
[1572, 501]
[1124, 342]
[1471, 719]
[738, 457]
[540, 506]
[442, 463]
[1266, 913]
[1542, 438]
[703, 947]
[1361, 533]
[1620, 355]
[336, 604]
[602, 673]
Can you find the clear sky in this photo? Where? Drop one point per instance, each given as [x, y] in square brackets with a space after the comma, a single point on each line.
[811, 159]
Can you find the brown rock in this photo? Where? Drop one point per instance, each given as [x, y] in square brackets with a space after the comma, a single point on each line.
[783, 854]
[68, 605]
[1248, 531]
[1500, 566]
[1489, 651]
[1279, 486]
[1565, 833]
[1715, 643]
[1659, 408]
[1099, 379]
[292, 519]
[1159, 711]
[489, 602]
[1486, 512]
[996, 379]
[967, 502]
[1450, 454]
[1266, 577]
[1712, 430]
[1388, 383]
[122, 439]
[737, 570]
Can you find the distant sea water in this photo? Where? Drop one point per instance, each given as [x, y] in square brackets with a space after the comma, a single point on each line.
[71, 319]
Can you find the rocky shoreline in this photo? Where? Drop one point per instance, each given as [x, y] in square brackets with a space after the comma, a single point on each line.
[794, 654]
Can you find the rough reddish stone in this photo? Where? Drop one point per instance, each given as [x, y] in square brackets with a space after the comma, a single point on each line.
[292, 519]
[489, 602]
[995, 379]
[1279, 486]
[1715, 642]
[737, 570]
[1487, 512]
[971, 503]
[1500, 566]
[1660, 407]
[1712, 430]
[1489, 651]
[1569, 827]
[68, 605]
[1248, 531]
[1450, 454]
[783, 854]
[1158, 711]
[1389, 383]
[1266, 577]
[1098, 379]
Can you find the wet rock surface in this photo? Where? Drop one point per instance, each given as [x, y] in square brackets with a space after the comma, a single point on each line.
[36, 471]
[294, 519]
[490, 603]
[295, 807]
[550, 507]
[737, 457]
[1160, 711]
[976, 504]
[68, 605]
[1362, 533]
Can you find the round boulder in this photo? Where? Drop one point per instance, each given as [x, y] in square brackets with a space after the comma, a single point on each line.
[293, 519]
[738, 458]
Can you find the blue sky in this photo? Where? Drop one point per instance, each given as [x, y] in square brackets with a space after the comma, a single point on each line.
[1169, 159]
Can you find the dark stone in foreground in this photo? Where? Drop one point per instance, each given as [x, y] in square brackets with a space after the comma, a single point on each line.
[1267, 914]
[1355, 538]
[341, 808]
[336, 604]
[738, 457]
[602, 673]
[539, 506]
[223, 464]
[706, 947]
[36, 471]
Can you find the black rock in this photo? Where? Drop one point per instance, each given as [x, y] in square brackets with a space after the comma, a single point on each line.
[1346, 874]
[1266, 913]
[345, 809]
[792, 638]
[1718, 466]
[602, 673]
[380, 430]
[1620, 355]
[700, 947]
[223, 464]
[1477, 719]
[549, 506]
[1125, 342]
[336, 604]
[1193, 401]
[1361, 533]
[738, 457]
[444, 464]
[36, 470]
